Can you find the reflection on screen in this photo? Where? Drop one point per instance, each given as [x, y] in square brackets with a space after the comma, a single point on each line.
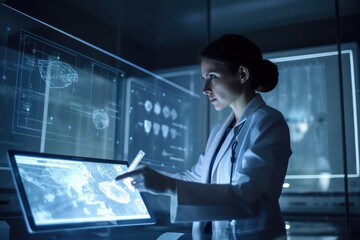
[61, 191]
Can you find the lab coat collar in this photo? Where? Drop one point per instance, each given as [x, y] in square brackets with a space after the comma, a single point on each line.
[214, 144]
[255, 103]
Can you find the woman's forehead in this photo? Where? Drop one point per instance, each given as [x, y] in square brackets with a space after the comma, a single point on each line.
[208, 65]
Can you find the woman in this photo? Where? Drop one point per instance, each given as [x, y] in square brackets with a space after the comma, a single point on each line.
[237, 182]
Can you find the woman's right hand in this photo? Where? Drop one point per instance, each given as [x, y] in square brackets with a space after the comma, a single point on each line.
[145, 179]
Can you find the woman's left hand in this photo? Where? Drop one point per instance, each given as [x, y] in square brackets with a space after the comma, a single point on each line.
[146, 179]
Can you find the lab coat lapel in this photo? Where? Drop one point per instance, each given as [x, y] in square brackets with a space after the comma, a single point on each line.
[222, 151]
[253, 105]
[214, 144]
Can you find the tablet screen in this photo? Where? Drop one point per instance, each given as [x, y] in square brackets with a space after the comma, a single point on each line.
[67, 192]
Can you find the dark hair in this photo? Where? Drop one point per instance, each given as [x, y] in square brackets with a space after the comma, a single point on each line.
[234, 50]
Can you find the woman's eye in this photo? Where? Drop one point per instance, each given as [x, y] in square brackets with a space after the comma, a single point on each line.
[211, 77]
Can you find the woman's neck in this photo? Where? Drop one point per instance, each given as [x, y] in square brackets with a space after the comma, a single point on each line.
[239, 105]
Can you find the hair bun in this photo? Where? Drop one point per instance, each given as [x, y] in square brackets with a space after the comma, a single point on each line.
[268, 76]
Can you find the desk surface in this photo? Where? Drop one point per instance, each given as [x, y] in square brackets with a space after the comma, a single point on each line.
[18, 231]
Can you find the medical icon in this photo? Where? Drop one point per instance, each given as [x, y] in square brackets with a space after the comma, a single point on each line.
[173, 114]
[57, 74]
[100, 119]
[157, 108]
[166, 111]
[148, 106]
[147, 126]
[156, 128]
[173, 133]
[165, 130]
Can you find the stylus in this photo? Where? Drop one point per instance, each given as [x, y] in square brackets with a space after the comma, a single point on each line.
[136, 160]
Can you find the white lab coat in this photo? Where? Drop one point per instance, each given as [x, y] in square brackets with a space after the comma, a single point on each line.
[262, 157]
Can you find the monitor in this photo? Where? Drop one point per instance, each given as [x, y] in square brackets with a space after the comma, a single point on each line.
[308, 95]
[59, 192]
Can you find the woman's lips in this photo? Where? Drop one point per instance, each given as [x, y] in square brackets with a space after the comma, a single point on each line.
[212, 99]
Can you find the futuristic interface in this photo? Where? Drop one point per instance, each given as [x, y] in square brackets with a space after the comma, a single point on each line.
[63, 191]
[312, 111]
[64, 96]
[158, 117]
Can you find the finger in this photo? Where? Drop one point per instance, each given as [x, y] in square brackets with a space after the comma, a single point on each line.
[132, 174]
[139, 179]
[140, 187]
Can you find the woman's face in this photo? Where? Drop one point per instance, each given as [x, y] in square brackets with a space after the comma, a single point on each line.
[220, 85]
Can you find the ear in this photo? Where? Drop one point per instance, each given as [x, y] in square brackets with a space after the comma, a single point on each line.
[244, 73]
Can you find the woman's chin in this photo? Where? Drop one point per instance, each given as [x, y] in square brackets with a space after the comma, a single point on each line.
[218, 108]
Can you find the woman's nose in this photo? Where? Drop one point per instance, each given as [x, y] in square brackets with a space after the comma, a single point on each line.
[207, 89]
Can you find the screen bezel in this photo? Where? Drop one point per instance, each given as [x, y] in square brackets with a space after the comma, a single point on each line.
[26, 209]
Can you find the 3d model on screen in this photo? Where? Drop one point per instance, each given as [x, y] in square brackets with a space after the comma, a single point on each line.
[148, 105]
[165, 130]
[156, 128]
[147, 126]
[173, 133]
[157, 108]
[166, 111]
[100, 119]
[173, 114]
[64, 190]
[57, 74]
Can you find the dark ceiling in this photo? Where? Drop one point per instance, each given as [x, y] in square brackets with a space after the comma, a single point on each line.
[151, 32]
[168, 23]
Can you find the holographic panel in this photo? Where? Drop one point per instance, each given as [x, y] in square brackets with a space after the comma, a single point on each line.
[159, 124]
[62, 96]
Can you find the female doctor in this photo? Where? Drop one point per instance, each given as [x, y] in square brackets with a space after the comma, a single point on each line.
[232, 192]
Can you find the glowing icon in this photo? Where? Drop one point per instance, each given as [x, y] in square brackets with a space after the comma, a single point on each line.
[148, 105]
[156, 128]
[165, 130]
[57, 74]
[173, 114]
[166, 111]
[173, 133]
[147, 126]
[157, 108]
[100, 119]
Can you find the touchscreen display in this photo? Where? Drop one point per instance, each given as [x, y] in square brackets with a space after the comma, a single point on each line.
[64, 191]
